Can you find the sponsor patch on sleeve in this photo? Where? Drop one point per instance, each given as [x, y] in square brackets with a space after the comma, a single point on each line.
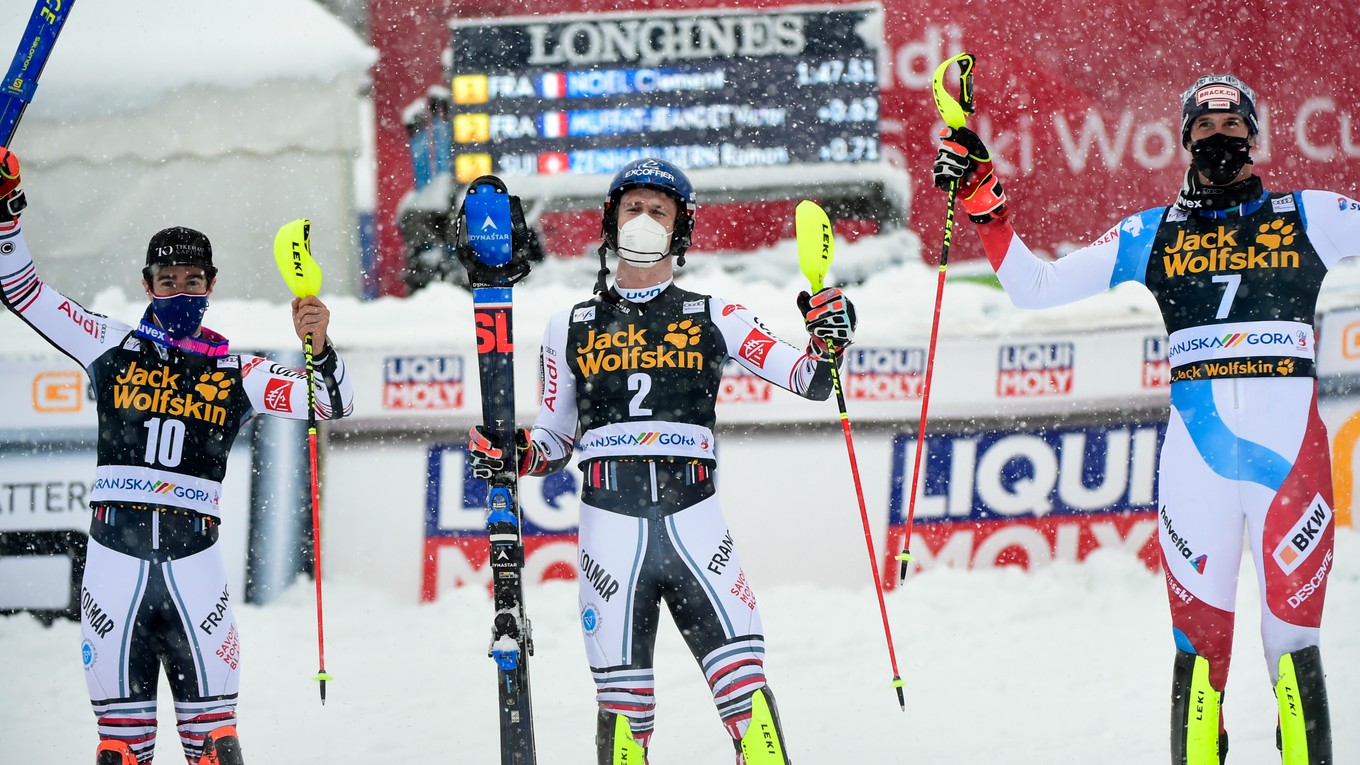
[756, 347]
[278, 395]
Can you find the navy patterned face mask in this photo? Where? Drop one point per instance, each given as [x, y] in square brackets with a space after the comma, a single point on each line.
[180, 315]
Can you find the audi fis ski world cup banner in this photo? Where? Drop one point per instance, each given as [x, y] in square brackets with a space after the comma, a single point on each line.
[1026, 497]
[587, 93]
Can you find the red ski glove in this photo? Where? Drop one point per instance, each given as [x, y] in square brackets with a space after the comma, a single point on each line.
[487, 460]
[963, 158]
[12, 199]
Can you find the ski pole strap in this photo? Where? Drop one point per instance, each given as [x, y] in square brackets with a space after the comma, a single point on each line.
[492, 235]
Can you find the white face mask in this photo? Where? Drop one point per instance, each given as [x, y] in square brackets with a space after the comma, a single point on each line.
[643, 242]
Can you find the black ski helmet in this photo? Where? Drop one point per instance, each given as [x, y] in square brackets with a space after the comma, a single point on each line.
[179, 246]
[664, 177]
[1217, 93]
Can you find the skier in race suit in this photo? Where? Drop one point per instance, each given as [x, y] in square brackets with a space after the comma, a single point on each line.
[630, 379]
[1236, 272]
[170, 400]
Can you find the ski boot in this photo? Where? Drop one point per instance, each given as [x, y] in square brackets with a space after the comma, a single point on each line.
[1304, 734]
[114, 752]
[614, 742]
[1197, 736]
[222, 747]
[763, 743]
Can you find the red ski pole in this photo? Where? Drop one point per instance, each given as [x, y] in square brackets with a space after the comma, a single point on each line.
[815, 250]
[954, 114]
[293, 255]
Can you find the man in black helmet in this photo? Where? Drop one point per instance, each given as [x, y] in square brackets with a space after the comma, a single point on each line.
[170, 401]
[630, 378]
[1236, 271]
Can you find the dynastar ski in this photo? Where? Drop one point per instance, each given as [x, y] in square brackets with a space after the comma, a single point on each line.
[491, 234]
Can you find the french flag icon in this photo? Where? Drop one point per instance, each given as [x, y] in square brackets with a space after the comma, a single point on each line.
[553, 124]
[552, 85]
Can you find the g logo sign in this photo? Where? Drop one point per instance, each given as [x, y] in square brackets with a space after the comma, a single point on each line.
[57, 392]
[1350, 341]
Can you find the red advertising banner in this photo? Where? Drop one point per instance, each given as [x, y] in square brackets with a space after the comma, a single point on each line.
[1079, 104]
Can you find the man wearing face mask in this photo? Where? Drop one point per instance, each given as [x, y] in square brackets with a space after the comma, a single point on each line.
[170, 399]
[1236, 271]
[630, 378]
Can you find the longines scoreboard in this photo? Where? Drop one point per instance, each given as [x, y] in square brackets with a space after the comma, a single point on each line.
[703, 89]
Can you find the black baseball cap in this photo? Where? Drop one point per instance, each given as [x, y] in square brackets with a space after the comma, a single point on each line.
[179, 246]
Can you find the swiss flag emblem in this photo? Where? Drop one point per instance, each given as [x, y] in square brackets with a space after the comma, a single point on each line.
[278, 395]
[756, 347]
[553, 162]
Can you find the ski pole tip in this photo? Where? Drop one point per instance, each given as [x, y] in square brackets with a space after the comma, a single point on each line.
[904, 558]
[321, 677]
[898, 683]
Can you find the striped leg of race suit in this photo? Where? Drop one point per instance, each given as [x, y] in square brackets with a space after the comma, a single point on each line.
[734, 672]
[140, 615]
[628, 566]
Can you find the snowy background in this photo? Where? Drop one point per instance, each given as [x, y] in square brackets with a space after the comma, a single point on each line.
[1067, 663]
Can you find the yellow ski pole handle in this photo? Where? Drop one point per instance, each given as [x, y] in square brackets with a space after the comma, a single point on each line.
[816, 245]
[955, 112]
[293, 256]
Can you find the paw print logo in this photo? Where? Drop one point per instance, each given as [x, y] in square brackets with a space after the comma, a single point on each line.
[682, 334]
[1285, 367]
[1275, 234]
[213, 385]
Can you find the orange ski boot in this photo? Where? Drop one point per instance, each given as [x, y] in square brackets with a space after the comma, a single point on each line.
[114, 752]
[222, 747]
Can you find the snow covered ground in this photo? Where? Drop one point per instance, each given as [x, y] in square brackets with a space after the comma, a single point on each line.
[1069, 664]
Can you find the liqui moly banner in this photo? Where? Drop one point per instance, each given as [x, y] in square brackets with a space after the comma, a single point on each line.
[456, 547]
[1026, 497]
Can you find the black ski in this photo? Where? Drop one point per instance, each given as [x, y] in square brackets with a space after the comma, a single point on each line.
[491, 237]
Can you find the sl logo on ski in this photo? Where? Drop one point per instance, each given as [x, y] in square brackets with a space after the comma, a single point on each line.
[493, 331]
